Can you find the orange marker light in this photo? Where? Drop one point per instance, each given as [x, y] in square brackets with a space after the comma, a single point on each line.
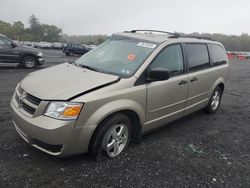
[72, 111]
[131, 57]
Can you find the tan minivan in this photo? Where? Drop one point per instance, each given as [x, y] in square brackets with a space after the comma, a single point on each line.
[132, 83]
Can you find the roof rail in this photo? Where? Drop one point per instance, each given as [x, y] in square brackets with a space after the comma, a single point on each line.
[173, 35]
[191, 36]
[155, 31]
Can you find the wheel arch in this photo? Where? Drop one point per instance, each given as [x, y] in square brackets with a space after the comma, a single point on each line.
[219, 82]
[27, 55]
[134, 111]
[135, 121]
[221, 86]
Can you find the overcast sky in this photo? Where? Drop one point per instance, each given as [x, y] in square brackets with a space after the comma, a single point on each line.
[109, 16]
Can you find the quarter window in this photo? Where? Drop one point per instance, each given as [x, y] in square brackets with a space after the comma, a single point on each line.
[197, 55]
[218, 54]
[170, 58]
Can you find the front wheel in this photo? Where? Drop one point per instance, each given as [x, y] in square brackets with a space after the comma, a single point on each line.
[111, 137]
[214, 101]
[29, 62]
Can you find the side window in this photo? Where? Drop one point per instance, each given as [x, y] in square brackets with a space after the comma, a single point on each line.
[1, 42]
[170, 58]
[197, 55]
[218, 54]
[80, 47]
[4, 42]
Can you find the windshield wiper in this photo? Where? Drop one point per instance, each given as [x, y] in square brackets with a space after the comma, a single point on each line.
[92, 68]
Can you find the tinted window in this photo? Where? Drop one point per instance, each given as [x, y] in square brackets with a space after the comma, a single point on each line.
[80, 47]
[218, 54]
[171, 59]
[4, 41]
[197, 56]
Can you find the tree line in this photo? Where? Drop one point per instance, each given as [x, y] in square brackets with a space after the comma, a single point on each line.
[85, 39]
[37, 32]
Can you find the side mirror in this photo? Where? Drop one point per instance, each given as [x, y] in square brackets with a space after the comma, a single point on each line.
[13, 44]
[157, 74]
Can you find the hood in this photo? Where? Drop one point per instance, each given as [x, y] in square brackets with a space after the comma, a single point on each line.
[64, 81]
[27, 48]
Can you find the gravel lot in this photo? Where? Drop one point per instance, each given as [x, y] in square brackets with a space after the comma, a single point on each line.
[197, 151]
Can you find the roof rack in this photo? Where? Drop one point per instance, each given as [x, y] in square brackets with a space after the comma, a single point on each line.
[155, 31]
[191, 36]
[173, 35]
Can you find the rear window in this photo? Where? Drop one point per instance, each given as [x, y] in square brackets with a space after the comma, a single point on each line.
[197, 55]
[218, 54]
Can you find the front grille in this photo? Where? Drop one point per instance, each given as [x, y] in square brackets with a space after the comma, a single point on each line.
[20, 90]
[26, 101]
[33, 99]
[28, 109]
[30, 97]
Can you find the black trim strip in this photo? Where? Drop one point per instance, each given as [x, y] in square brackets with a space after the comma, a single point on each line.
[95, 88]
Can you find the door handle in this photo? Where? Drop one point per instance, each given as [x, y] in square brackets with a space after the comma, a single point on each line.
[183, 82]
[194, 79]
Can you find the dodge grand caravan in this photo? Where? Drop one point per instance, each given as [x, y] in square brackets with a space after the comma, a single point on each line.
[134, 82]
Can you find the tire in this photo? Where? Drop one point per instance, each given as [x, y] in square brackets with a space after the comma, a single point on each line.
[71, 54]
[20, 65]
[111, 137]
[214, 102]
[29, 62]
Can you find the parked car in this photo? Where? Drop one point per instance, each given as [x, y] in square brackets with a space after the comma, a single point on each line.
[92, 46]
[45, 45]
[27, 57]
[27, 43]
[131, 84]
[73, 48]
[35, 45]
[57, 45]
[247, 55]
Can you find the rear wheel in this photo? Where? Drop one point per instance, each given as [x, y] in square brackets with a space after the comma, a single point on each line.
[29, 62]
[214, 101]
[71, 53]
[111, 137]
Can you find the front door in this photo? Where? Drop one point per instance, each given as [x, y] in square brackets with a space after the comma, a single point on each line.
[7, 52]
[166, 99]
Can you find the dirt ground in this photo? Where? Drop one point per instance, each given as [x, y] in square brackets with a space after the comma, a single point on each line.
[197, 151]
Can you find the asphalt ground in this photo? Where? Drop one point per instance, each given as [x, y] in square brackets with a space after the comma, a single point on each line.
[199, 150]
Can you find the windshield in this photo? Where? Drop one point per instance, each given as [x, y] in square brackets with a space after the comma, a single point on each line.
[118, 56]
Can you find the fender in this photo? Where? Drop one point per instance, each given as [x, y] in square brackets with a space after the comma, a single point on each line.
[116, 106]
[216, 83]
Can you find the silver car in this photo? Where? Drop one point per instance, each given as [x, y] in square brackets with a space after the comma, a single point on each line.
[134, 82]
